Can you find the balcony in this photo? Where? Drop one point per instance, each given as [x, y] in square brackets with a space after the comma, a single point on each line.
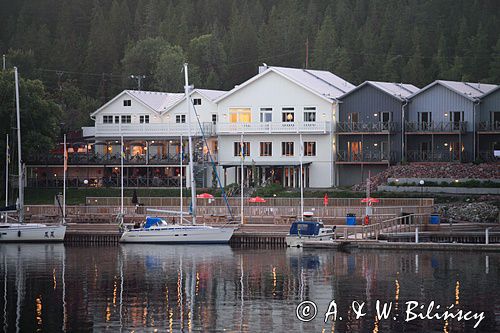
[361, 128]
[274, 128]
[436, 156]
[114, 159]
[366, 157]
[441, 127]
[156, 131]
[112, 181]
[488, 127]
[488, 156]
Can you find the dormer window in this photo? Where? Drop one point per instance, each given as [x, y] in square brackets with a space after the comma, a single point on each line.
[127, 102]
[197, 101]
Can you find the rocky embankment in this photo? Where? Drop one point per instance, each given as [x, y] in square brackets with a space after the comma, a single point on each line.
[432, 170]
[469, 211]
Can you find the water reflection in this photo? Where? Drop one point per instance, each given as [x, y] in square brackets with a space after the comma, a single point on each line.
[215, 288]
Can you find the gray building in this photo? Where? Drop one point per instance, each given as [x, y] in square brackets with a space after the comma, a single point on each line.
[369, 129]
[488, 127]
[441, 119]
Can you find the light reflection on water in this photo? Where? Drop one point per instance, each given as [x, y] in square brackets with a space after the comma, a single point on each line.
[161, 288]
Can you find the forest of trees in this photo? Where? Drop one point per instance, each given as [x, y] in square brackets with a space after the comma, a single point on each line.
[84, 51]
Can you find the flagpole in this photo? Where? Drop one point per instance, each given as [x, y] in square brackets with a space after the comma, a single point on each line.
[181, 185]
[7, 157]
[242, 160]
[64, 180]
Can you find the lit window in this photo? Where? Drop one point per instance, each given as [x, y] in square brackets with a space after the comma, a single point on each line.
[287, 148]
[309, 148]
[266, 149]
[180, 118]
[127, 102]
[238, 147]
[126, 119]
[144, 119]
[107, 119]
[237, 115]
[197, 101]
[288, 115]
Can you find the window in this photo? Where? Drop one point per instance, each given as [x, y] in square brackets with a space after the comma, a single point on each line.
[117, 119]
[180, 118]
[266, 115]
[126, 119]
[240, 115]
[353, 117]
[197, 101]
[144, 119]
[266, 149]
[214, 118]
[309, 116]
[127, 102]
[287, 116]
[287, 148]
[309, 148]
[246, 148]
[107, 119]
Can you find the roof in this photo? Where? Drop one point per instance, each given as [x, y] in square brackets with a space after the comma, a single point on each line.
[262, 163]
[491, 92]
[154, 100]
[469, 90]
[322, 83]
[397, 90]
[209, 94]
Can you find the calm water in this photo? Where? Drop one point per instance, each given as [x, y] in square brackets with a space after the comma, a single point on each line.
[140, 288]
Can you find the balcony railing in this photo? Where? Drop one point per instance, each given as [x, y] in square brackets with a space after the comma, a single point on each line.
[274, 128]
[152, 130]
[373, 127]
[86, 182]
[488, 126]
[436, 127]
[104, 159]
[366, 156]
[436, 156]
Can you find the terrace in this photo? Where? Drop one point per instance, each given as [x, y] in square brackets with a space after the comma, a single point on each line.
[274, 127]
[370, 127]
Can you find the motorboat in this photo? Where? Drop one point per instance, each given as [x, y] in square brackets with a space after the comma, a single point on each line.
[308, 230]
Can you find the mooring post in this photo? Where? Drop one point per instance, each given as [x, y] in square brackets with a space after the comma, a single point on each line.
[487, 241]
[416, 235]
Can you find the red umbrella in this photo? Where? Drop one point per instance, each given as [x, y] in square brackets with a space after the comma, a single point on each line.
[205, 196]
[370, 200]
[257, 199]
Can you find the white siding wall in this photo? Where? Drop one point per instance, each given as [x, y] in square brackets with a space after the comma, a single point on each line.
[135, 110]
[205, 110]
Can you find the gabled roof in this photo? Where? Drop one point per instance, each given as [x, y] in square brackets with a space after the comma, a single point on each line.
[153, 100]
[322, 83]
[399, 91]
[209, 94]
[469, 90]
[491, 92]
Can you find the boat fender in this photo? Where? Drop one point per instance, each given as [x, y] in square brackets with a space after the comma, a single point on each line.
[367, 220]
[19, 233]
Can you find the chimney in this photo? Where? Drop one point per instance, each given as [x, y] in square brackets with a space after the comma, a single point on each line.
[263, 68]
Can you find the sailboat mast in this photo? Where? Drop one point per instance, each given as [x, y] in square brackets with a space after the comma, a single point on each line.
[7, 157]
[301, 178]
[65, 167]
[190, 141]
[181, 152]
[242, 152]
[122, 153]
[19, 162]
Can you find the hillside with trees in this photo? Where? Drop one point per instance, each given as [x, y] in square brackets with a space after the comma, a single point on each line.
[83, 52]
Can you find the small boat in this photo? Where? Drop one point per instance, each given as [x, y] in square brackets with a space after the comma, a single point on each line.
[308, 230]
[21, 231]
[157, 230]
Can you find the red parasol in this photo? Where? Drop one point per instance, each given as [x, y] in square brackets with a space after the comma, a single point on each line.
[257, 199]
[370, 200]
[205, 196]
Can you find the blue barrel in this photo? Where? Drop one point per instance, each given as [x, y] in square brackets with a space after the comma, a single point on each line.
[435, 219]
[350, 219]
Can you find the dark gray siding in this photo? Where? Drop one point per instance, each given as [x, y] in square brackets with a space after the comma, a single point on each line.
[489, 104]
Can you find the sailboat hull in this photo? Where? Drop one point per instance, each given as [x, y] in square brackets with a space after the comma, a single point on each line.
[178, 235]
[42, 233]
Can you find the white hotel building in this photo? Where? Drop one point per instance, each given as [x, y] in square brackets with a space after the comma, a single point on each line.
[272, 110]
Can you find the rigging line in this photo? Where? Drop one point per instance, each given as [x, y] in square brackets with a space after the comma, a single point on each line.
[212, 160]
[81, 73]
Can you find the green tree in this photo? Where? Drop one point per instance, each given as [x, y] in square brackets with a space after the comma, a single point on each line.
[207, 53]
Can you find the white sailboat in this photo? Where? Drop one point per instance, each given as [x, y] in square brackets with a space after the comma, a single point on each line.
[21, 231]
[157, 230]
